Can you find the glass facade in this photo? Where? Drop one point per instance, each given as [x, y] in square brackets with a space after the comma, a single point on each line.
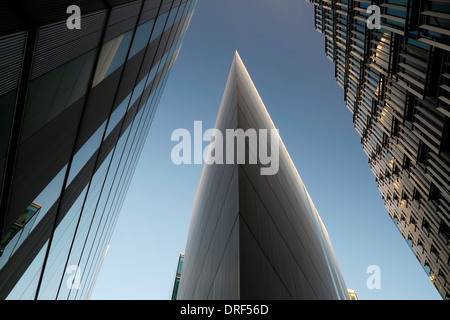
[256, 236]
[396, 84]
[73, 124]
[176, 283]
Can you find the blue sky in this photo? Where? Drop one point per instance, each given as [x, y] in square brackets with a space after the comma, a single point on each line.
[285, 57]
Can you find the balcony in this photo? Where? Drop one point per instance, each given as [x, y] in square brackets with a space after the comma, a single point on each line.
[428, 125]
[439, 172]
[410, 143]
[434, 28]
[413, 69]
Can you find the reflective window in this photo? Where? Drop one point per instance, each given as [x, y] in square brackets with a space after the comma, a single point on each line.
[112, 56]
[159, 25]
[117, 115]
[427, 269]
[88, 222]
[151, 75]
[44, 201]
[99, 216]
[138, 91]
[120, 178]
[25, 288]
[55, 268]
[409, 242]
[49, 195]
[11, 237]
[141, 37]
[85, 153]
[119, 112]
[181, 12]
[55, 91]
[171, 19]
[180, 264]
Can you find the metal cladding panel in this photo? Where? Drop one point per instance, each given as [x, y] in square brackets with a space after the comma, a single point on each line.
[9, 23]
[122, 19]
[150, 10]
[34, 173]
[255, 236]
[70, 43]
[124, 12]
[11, 55]
[50, 11]
[165, 6]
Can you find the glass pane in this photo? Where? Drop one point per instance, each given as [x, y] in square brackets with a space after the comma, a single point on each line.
[25, 289]
[55, 268]
[44, 201]
[170, 21]
[87, 223]
[117, 115]
[181, 12]
[99, 216]
[137, 91]
[53, 92]
[112, 56]
[159, 26]
[12, 235]
[49, 195]
[141, 37]
[85, 153]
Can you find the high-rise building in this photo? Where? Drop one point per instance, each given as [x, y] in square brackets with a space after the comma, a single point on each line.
[176, 282]
[79, 86]
[396, 81]
[254, 233]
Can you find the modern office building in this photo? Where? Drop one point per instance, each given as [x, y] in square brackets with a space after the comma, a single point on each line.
[254, 234]
[176, 282]
[396, 82]
[77, 98]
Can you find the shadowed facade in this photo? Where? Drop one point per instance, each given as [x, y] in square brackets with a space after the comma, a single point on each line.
[75, 108]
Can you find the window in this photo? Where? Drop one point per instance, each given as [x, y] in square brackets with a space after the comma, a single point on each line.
[159, 25]
[445, 142]
[85, 153]
[434, 192]
[112, 56]
[53, 92]
[141, 37]
[427, 268]
[45, 200]
[434, 251]
[18, 226]
[444, 229]
[137, 92]
[117, 115]
[171, 19]
[409, 242]
[426, 226]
